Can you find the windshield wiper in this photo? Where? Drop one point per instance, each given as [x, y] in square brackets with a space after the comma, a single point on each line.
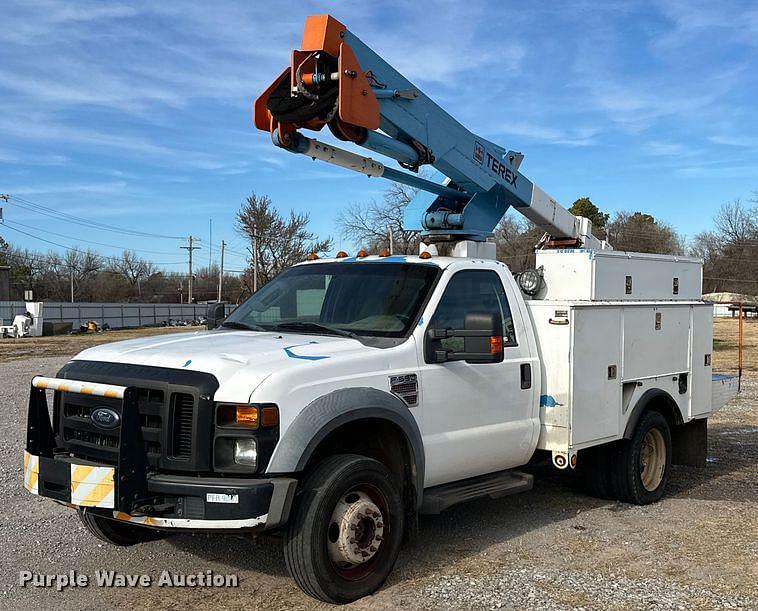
[315, 326]
[233, 324]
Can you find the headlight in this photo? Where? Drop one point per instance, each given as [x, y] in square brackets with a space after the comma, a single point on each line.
[246, 452]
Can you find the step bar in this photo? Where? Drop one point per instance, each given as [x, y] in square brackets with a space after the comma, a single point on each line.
[492, 485]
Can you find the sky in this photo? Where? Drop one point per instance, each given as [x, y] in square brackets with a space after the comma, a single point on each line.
[138, 114]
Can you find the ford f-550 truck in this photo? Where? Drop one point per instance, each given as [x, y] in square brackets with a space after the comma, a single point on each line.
[350, 394]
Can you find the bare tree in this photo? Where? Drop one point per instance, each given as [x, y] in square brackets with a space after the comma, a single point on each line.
[133, 268]
[640, 232]
[515, 239]
[730, 252]
[279, 242]
[369, 225]
[736, 222]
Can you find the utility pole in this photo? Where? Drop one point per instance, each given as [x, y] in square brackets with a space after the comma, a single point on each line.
[255, 262]
[189, 248]
[392, 246]
[71, 276]
[221, 271]
[210, 243]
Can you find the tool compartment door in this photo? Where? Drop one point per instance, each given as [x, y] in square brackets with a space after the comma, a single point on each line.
[596, 373]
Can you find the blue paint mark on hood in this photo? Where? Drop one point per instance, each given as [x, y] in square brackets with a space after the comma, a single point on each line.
[187, 364]
[292, 355]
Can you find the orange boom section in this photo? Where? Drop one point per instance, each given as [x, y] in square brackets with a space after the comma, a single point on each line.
[324, 85]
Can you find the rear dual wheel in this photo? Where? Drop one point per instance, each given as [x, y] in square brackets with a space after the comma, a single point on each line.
[632, 470]
[345, 532]
[641, 465]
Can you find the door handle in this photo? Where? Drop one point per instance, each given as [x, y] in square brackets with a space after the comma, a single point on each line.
[526, 376]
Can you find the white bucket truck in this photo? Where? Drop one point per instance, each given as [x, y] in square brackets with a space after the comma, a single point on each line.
[350, 394]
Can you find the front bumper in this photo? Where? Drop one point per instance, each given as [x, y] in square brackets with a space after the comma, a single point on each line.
[128, 491]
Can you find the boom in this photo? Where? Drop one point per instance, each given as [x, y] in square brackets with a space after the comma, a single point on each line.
[338, 81]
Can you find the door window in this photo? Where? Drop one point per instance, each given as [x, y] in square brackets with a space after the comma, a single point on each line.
[473, 291]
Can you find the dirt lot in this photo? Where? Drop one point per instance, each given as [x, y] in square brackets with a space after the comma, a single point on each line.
[68, 345]
[551, 548]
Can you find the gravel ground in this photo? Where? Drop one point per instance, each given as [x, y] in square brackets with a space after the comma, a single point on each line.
[551, 548]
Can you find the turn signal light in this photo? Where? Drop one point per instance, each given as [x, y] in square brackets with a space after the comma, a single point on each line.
[249, 416]
[496, 344]
[246, 415]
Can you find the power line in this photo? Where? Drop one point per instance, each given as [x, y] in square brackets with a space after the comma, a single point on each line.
[71, 218]
[78, 250]
[68, 237]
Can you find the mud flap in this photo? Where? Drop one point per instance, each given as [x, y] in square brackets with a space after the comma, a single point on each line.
[690, 443]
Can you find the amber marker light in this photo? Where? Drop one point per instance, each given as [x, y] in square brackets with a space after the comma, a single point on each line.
[341, 254]
[496, 344]
[269, 416]
[312, 257]
[362, 253]
[384, 253]
[425, 255]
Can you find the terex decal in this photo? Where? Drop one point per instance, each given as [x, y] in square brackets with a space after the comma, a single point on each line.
[478, 152]
[501, 170]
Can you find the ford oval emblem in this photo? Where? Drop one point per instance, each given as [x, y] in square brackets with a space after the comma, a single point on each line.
[105, 417]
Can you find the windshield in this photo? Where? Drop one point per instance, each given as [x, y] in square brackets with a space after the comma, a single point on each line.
[375, 299]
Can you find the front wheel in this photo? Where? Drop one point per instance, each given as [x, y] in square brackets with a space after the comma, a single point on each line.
[642, 464]
[345, 532]
[116, 532]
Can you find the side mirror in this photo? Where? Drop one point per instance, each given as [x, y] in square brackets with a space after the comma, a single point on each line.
[215, 315]
[482, 340]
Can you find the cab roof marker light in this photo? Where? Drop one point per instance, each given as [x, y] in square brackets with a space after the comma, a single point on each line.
[340, 255]
[362, 253]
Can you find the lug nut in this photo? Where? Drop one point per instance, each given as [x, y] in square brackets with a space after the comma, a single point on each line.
[380, 525]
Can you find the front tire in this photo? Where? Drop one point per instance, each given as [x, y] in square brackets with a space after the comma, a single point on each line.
[642, 464]
[346, 529]
[118, 533]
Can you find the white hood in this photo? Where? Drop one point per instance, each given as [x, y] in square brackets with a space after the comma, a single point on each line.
[226, 353]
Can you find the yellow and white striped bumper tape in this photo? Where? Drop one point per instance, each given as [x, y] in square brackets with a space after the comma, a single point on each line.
[31, 472]
[90, 486]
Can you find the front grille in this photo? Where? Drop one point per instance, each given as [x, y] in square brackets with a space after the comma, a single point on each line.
[175, 409]
[84, 439]
[181, 425]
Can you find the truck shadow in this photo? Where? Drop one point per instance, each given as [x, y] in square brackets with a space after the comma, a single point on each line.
[471, 528]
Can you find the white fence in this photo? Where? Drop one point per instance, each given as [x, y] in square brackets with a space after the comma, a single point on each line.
[116, 315]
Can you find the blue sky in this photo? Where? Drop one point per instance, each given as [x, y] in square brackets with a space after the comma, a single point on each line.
[138, 114]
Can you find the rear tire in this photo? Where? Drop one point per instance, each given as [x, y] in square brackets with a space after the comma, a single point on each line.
[594, 466]
[118, 533]
[346, 528]
[642, 464]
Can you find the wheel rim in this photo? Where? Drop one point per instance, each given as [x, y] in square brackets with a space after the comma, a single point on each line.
[358, 528]
[652, 460]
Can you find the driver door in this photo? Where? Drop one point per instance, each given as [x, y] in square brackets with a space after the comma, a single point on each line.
[476, 417]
